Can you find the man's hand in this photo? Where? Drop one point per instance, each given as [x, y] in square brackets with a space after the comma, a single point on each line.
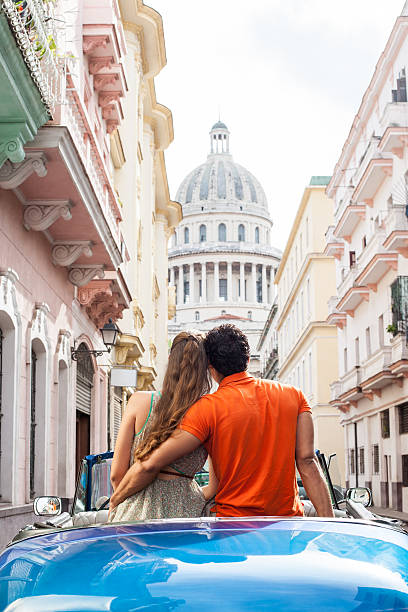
[308, 466]
[142, 473]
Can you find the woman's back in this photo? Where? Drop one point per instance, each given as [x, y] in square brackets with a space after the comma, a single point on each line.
[168, 496]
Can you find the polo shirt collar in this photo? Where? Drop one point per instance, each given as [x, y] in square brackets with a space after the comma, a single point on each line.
[234, 378]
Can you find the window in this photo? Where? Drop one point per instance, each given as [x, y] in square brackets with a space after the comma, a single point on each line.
[222, 232]
[223, 288]
[352, 461]
[357, 347]
[404, 470]
[186, 235]
[345, 360]
[403, 418]
[352, 258]
[197, 315]
[361, 464]
[257, 235]
[241, 233]
[308, 298]
[368, 341]
[381, 330]
[385, 423]
[307, 232]
[203, 233]
[364, 242]
[186, 291]
[200, 288]
[376, 459]
[310, 374]
[250, 315]
[223, 312]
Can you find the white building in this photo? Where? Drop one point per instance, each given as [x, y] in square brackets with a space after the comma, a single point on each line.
[221, 261]
[369, 240]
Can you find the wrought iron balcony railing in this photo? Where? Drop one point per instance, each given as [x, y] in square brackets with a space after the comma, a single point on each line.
[33, 24]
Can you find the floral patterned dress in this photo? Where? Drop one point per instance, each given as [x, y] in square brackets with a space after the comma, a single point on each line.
[176, 498]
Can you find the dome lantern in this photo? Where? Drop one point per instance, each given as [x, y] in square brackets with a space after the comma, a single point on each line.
[219, 138]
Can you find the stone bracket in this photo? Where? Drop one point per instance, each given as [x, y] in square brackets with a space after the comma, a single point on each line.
[64, 253]
[86, 295]
[40, 215]
[12, 175]
[81, 275]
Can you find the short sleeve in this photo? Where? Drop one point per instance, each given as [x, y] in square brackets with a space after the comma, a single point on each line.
[303, 405]
[197, 420]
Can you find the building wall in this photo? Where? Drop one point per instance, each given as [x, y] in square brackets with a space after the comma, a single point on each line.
[307, 344]
[368, 239]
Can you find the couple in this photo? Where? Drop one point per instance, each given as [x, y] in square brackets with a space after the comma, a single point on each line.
[256, 432]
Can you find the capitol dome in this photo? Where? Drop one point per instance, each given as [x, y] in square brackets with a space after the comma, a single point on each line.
[221, 261]
[220, 179]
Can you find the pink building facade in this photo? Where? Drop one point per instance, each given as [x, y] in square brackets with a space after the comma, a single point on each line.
[65, 266]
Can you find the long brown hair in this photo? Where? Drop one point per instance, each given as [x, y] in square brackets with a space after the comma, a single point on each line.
[185, 381]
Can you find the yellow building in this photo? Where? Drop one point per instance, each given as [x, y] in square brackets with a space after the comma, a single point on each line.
[306, 280]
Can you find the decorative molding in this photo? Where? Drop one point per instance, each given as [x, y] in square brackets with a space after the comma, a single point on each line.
[12, 175]
[39, 321]
[81, 275]
[64, 253]
[108, 112]
[87, 294]
[96, 64]
[111, 125]
[8, 298]
[92, 42]
[102, 80]
[107, 97]
[39, 215]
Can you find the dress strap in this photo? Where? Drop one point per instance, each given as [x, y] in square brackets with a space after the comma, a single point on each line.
[148, 416]
[180, 475]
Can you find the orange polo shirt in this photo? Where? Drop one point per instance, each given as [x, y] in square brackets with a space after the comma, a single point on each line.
[248, 427]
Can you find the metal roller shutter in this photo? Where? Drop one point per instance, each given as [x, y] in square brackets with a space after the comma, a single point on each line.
[117, 412]
[83, 395]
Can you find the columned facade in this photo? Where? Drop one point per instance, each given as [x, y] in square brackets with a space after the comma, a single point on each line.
[221, 263]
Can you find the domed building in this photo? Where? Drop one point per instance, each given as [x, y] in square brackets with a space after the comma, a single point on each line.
[221, 262]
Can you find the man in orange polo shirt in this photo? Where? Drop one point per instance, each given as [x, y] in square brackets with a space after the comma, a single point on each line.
[256, 433]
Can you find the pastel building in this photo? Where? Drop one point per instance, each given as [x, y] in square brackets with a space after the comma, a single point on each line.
[369, 239]
[307, 342]
[221, 261]
[85, 217]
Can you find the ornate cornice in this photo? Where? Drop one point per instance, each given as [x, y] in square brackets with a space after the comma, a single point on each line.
[64, 253]
[40, 215]
[12, 175]
[81, 275]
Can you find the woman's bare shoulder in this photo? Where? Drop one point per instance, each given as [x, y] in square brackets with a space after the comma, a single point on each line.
[139, 401]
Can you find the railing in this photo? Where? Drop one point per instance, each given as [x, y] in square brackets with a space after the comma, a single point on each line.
[34, 27]
[399, 305]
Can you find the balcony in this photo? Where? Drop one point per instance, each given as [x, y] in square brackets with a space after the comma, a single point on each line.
[348, 388]
[349, 220]
[395, 114]
[396, 226]
[335, 317]
[377, 267]
[376, 172]
[352, 299]
[31, 75]
[376, 373]
[394, 140]
[334, 247]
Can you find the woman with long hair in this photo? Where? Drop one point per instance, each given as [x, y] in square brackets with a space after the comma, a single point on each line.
[151, 418]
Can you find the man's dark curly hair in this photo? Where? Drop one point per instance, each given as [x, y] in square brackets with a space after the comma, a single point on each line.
[227, 349]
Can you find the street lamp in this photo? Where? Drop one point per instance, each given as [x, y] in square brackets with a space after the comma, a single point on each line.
[109, 334]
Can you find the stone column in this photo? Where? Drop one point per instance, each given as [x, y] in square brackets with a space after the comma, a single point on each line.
[264, 290]
[216, 282]
[192, 300]
[242, 282]
[172, 276]
[229, 281]
[253, 283]
[204, 282]
[180, 285]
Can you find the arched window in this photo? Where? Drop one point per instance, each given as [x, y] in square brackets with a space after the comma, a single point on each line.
[257, 235]
[222, 232]
[250, 315]
[203, 233]
[197, 315]
[241, 233]
[186, 235]
[84, 384]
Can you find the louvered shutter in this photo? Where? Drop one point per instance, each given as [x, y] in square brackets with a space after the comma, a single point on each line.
[117, 412]
[83, 395]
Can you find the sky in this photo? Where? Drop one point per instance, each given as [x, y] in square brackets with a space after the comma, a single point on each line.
[286, 76]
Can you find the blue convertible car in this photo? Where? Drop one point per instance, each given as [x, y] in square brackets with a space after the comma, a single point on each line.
[268, 563]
